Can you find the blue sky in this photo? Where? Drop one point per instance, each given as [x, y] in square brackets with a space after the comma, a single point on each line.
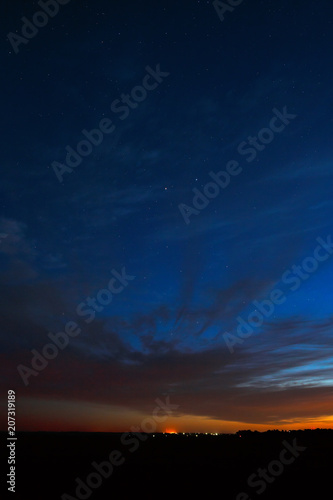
[119, 208]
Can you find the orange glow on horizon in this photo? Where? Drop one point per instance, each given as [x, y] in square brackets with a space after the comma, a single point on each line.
[63, 415]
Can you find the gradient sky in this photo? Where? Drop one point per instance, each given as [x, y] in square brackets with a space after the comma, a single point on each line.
[164, 333]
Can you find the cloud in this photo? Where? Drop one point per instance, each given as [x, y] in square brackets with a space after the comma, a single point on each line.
[15, 242]
[281, 370]
[206, 383]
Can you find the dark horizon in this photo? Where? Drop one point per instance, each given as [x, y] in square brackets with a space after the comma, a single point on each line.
[274, 464]
[175, 433]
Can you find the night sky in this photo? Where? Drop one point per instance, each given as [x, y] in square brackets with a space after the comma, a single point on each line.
[166, 214]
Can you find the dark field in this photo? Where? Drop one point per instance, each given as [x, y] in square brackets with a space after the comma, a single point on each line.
[174, 466]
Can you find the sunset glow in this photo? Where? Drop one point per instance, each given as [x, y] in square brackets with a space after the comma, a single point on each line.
[166, 253]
